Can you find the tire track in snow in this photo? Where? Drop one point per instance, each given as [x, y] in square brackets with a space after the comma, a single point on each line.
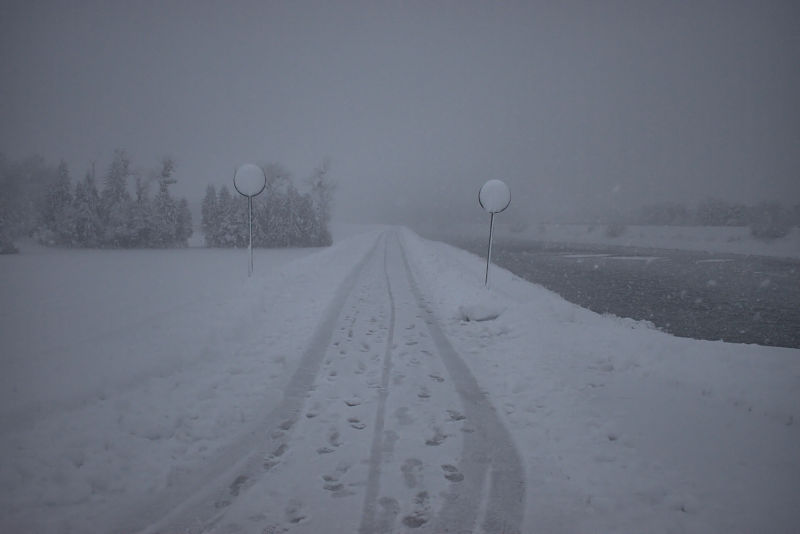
[192, 509]
[489, 446]
[488, 457]
[368, 518]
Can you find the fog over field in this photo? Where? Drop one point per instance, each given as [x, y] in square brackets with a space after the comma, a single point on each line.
[581, 107]
[624, 356]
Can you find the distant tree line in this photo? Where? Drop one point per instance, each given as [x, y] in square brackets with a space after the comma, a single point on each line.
[41, 202]
[282, 215]
[765, 219]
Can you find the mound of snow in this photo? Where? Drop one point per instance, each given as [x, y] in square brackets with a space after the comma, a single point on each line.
[481, 305]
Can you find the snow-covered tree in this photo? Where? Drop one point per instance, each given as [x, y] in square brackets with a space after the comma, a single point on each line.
[282, 215]
[23, 189]
[88, 230]
[322, 190]
[183, 230]
[115, 202]
[279, 181]
[209, 216]
[57, 216]
[229, 225]
[165, 208]
[142, 221]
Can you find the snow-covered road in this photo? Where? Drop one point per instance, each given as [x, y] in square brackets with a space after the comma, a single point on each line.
[382, 428]
[374, 386]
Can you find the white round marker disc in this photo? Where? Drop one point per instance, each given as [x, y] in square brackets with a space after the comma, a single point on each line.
[494, 196]
[249, 180]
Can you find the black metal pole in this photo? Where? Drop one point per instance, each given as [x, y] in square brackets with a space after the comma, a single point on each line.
[250, 220]
[489, 253]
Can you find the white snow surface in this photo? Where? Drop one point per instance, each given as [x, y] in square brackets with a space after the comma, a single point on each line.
[126, 373]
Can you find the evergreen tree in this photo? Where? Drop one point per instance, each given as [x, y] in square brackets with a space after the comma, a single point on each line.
[282, 215]
[322, 190]
[24, 186]
[228, 229]
[279, 182]
[166, 209]
[261, 215]
[115, 202]
[184, 224]
[86, 207]
[57, 216]
[209, 216]
[142, 223]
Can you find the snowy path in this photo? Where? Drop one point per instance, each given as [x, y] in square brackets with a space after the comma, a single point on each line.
[383, 428]
[335, 391]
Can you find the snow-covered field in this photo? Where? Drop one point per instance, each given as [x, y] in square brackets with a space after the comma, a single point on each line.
[129, 377]
[719, 239]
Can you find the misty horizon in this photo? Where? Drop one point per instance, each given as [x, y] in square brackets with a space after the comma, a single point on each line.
[581, 108]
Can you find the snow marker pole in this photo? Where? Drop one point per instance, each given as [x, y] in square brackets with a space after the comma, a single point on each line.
[250, 244]
[249, 185]
[489, 253]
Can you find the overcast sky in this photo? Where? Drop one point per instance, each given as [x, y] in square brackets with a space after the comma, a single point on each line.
[577, 105]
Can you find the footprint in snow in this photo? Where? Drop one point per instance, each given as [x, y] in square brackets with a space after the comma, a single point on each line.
[356, 423]
[286, 425]
[273, 459]
[313, 412]
[421, 512]
[294, 511]
[452, 473]
[455, 416]
[333, 484]
[270, 462]
[237, 484]
[390, 437]
[437, 439]
[333, 437]
[389, 511]
[412, 472]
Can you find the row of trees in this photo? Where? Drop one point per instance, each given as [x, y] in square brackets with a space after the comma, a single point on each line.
[282, 215]
[766, 219]
[43, 203]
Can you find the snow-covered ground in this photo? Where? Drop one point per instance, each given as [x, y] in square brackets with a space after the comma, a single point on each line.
[132, 381]
[719, 239]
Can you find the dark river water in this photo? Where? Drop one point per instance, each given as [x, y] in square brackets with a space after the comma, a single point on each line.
[729, 297]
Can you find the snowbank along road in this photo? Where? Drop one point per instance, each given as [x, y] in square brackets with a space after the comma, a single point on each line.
[733, 297]
[382, 428]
